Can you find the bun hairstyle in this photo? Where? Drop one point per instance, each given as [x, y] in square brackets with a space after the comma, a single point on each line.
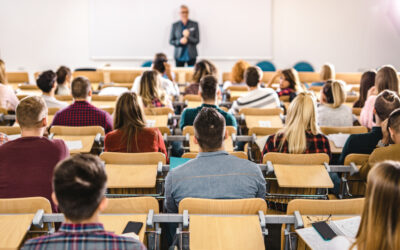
[334, 93]
[62, 74]
[393, 123]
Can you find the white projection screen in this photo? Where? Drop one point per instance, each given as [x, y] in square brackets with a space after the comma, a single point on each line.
[137, 29]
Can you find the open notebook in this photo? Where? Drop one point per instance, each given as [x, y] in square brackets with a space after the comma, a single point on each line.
[339, 139]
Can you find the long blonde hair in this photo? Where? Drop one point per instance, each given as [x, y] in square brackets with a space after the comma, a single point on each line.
[301, 117]
[3, 77]
[237, 74]
[150, 88]
[380, 221]
[327, 72]
[334, 93]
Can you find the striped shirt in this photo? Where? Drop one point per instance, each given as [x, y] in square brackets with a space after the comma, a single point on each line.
[258, 98]
[83, 236]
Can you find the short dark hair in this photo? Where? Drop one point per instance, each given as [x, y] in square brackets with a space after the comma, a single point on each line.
[46, 81]
[158, 63]
[208, 87]
[80, 87]
[209, 128]
[385, 103]
[79, 184]
[252, 76]
[62, 74]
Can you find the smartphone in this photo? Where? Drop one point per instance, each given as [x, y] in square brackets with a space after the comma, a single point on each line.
[133, 227]
[324, 230]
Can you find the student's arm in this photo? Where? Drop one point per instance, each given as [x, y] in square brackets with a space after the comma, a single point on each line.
[272, 80]
[173, 40]
[182, 121]
[194, 37]
[234, 109]
[366, 167]
[169, 202]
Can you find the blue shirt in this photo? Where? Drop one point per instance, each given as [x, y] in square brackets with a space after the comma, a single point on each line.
[213, 175]
[185, 52]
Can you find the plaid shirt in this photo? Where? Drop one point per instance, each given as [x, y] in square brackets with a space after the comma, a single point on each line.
[82, 113]
[3, 138]
[82, 237]
[315, 144]
[286, 91]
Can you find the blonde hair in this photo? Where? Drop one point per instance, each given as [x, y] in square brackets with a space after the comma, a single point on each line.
[334, 92]
[301, 118]
[237, 74]
[327, 72]
[150, 88]
[380, 220]
[3, 77]
[30, 112]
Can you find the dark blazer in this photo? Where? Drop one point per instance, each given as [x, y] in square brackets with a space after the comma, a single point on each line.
[193, 39]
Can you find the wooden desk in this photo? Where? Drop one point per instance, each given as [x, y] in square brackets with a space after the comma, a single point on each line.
[104, 104]
[309, 219]
[13, 229]
[194, 148]
[157, 120]
[131, 176]
[87, 142]
[334, 149]
[116, 223]
[257, 121]
[30, 92]
[302, 176]
[193, 104]
[241, 232]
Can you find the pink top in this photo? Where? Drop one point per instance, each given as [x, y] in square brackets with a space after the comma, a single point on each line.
[367, 112]
[8, 99]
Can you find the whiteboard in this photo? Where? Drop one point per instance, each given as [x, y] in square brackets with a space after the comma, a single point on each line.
[137, 29]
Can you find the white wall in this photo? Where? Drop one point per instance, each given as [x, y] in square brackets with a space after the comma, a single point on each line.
[352, 34]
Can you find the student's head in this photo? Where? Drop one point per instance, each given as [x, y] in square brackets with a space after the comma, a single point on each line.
[333, 93]
[31, 113]
[79, 185]
[367, 82]
[3, 77]
[380, 220]
[129, 117]
[386, 78]
[327, 72]
[47, 81]
[253, 76]
[159, 62]
[80, 88]
[385, 103]
[209, 130]
[301, 117]
[184, 12]
[393, 126]
[237, 74]
[63, 75]
[150, 87]
[203, 68]
[290, 79]
[208, 88]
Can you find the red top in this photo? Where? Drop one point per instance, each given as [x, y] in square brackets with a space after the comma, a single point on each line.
[26, 166]
[148, 140]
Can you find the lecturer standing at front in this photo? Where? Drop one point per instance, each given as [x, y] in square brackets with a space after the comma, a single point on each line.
[184, 37]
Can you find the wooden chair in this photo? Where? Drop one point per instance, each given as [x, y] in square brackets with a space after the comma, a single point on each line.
[50, 114]
[192, 101]
[350, 77]
[357, 111]
[102, 101]
[236, 91]
[222, 206]
[17, 77]
[93, 76]
[195, 148]
[159, 117]
[65, 98]
[24, 205]
[257, 117]
[124, 76]
[356, 185]
[239, 154]
[132, 205]
[344, 130]
[309, 77]
[226, 76]
[188, 77]
[292, 159]
[8, 130]
[351, 98]
[131, 174]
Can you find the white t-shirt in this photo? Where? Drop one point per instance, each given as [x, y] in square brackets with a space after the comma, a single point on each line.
[257, 98]
[338, 117]
[52, 102]
[170, 88]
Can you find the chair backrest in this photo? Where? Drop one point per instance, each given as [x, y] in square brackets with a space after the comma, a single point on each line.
[259, 131]
[309, 77]
[238, 88]
[23, 86]
[226, 76]
[195, 98]
[190, 130]
[266, 66]
[136, 205]
[147, 64]
[357, 111]
[8, 130]
[351, 98]
[124, 76]
[158, 111]
[64, 98]
[84, 130]
[52, 111]
[303, 67]
[133, 158]
[24, 205]
[222, 206]
[310, 207]
[349, 77]
[17, 77]
[239, 154]
[284, 98]
[358, 159]
[93, 76]
[297, 159]
[261, 111]
[104, 98]
[344, 130]
[3, 110]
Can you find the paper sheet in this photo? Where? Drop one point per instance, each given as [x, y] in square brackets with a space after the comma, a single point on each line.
[74, 145]
[339, 139]
[264, 124]
[151, 123]
[347, 227]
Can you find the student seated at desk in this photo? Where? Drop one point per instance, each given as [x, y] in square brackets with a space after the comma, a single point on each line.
[390, 152]
[237, 75]
[163, 68]
[201, 69]
[327, 73]
[385, 103]
[367, 81]
[209, 97]
[332, 112]
[289, 83]
[47, 83]
[380, 220]
[64, 78]
[81, 112]
[8, 99]
[213, 174]
[27, 163]
[257, 97]
[79, 191]
[3, 138]
[150, 91]
[130, 134]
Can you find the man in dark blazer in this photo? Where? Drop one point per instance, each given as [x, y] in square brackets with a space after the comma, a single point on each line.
[184, 37]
